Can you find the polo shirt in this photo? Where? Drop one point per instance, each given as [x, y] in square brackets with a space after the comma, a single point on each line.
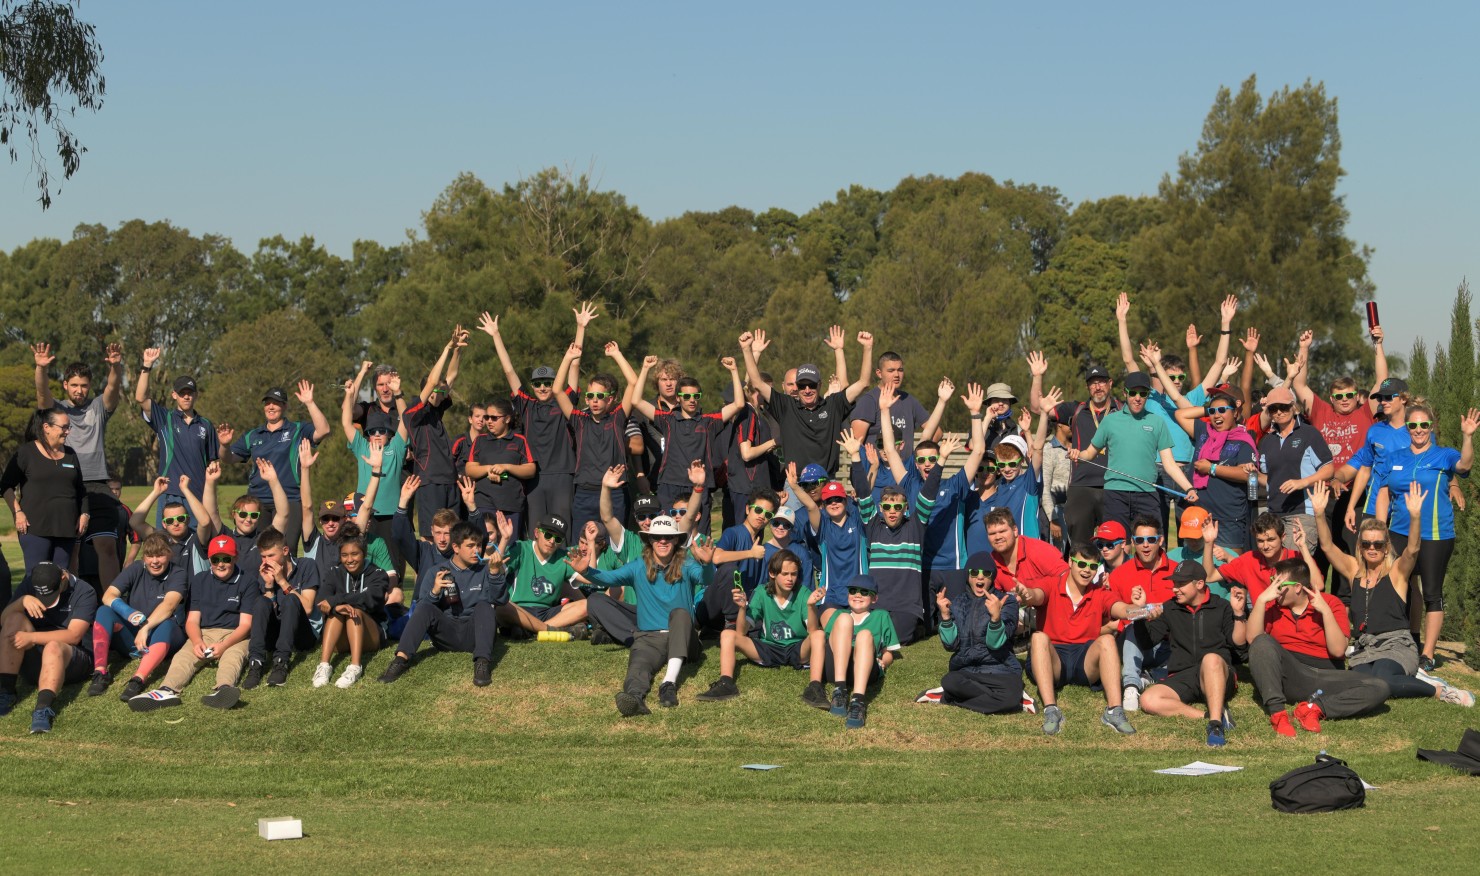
[222, 603]
[548, 433]
[745, 477]
[1249, 571]
[507, 494]
[144, 592]
[1305, 633]
[772, 622]
[1083, 422]
[1291, 457]
[1161, 404]
[388, 493]
[1156, 581]
[599, 445]
[1382, 439]
[1432, 471]
[841, 552]
[1067, 622]
[431, 452]
[536, 582]
[907, 416]
[810, 435]
[280, 448]
[77, 602]
[185, 446]
[738, 538]
[1022, 496]
[686, 439]
[1039, 565]
[1134, 443]
[877, 622]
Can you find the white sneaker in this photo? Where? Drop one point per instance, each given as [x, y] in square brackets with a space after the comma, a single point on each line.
[1431, 680]
[1451, 694]
[351, 675]
[1130, 698]
[321, 675]
[1030, 705]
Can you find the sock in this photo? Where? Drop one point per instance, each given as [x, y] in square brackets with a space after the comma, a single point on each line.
[100, 647]
[152, 658]
[729, 678]
[857, 698]
[44, 698]
[7, 682]
[674, 665]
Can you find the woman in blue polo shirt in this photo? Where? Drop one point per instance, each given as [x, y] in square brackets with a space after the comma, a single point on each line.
[1431, 467]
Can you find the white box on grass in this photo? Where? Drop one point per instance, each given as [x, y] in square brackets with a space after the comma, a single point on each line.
[279, 828]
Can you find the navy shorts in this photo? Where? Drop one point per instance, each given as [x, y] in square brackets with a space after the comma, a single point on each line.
[1187, 684]
[876, 674]
[1072, 659]
[771, 655]
[79, 668]
[542, 613]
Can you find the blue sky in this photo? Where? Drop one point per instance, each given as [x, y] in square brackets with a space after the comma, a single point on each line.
[345, 121]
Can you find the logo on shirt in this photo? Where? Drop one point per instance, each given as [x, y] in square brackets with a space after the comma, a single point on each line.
[780, 631]
[542, 586]
[200, 432]
[822, 415]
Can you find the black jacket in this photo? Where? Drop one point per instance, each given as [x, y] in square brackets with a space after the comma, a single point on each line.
[365, 591]
[1193, 633]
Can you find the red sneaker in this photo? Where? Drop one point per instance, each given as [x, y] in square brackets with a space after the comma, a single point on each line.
[1309, 715]
[1281, 723]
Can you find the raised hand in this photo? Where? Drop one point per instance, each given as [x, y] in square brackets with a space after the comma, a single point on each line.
[759, 343]
[943, 604]
[151, 355]
[1024, 420]
[865, 339]
[1306, 338]
[1229, 309]
[887, 397]
[698, 473]
[849, 442]
[467, 490]
[871, 455]
[1122, 306]
[1052, 399]
[1251, 340]
[1151, 353]
[993, 601]
[1037, 363]
[264, 470]
[307, 455]
[1320, 496]
[1193, 338]
[1376, 333]
[1238, 598]
[488, 324]
[162, 483]
[1232, 366]
[704, 553]
[835, 337]
[1210, 530]
[585, 314]
[747, 339]
[791, 473]
[573, 351]
[409, 486]
[945, 390]
[948, 445]
[611, 349]
[113, 354]
[615, 477]
[304, 393]
[43, 355]
[650, 362]
[395, 384]
[974, 398]
[1469, 422]
[459, 336]
[1414, 500]
[505, 526]
[728, 363]
[376, 457]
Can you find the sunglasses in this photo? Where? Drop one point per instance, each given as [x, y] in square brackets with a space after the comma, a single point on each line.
[891, 506]
[859, 591]
[780, 523]
[542, 384]
[1016, 463]
[810, 485]
[646, 516]
[551, 536]
[1146, 539]
[249, 515]
[331, 518]
[495, 416]
[838, 499]
[756, 509]
[921, 460]
[1177, 376]
[1220, 409]
[1383, 398]
[1284, 585]
[1107, 545]
[1083, 564]
[590, 396]
[1279, 409]
[1415, 425]
[178, 518]
[685, 396]
[980, 573]
[1342, 396]
[806, 385]
[1138, 393]
[222, 559]
[1373, 545]
[62, 428]
[677, 512]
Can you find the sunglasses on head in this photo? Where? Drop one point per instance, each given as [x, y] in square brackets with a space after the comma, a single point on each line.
[1106, 545]
[980, 573]
[1415, 425]
[685, 396]
[1083, 564]
[591, 396]
[178, 518]
[1219, 409]
[249, 515]
[1146, 539]
[891, 506]
[552, 536]
[756, 509]
[1279, 409]
[859, 591]
[1137, 393]
[542, 384]
[1373, 545]
[1342, 396]
[921, 460]
[222, 559]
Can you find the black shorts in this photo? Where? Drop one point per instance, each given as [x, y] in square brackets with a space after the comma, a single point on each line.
[771, 655]
[1187, 684]
[79, 668]
[875, 674]
[1071, 659]
[542, 613]
[104, 512]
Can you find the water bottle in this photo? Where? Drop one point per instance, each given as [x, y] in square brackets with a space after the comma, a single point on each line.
[552, 636]
[1253, 486]
[1138, 612]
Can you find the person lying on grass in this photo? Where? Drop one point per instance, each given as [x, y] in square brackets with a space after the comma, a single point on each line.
[783, 615]
[857, 645]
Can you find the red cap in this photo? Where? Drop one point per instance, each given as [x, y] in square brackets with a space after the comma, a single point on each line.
[222, 544]
[1110, 530]
[833, 490]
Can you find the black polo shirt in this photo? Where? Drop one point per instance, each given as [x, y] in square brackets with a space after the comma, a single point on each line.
[544, 426]
[222, 603]
[599, 445]
[686, 439]
[507, 494]
[77, 602]
[431, 452]
[811, 434]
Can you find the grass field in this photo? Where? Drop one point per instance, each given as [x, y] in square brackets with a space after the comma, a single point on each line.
[538, 772]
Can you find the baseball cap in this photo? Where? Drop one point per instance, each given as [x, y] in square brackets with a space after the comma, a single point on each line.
[352, 504]
[1000, 391]
[983, 560]
[812, 473]
[1223, 390]
[1015, 441]
[1393, 386]
[1187, 571]
[331, 508]
[1096, 372]
[221, 544]
[809, 373]
[833, 490]
[1110, 530]
[275, 394]
[543, 372]
[1192, 523]
[184, 384]
[785, 513]
[46, 582]
[1280, 395]
[553, 523]
[1136, 380]
[646, 505]
[863, 582]
[662, 526]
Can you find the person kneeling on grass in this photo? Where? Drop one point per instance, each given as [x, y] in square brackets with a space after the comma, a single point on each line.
[458, 610]
[668, 580]
[1070, 649]
[44, 636]
[218, 627]
[978, 627]
[540, 574]
[857, 644]
[352, 600]
[784, 615]
[142, 615]
[1202, 628]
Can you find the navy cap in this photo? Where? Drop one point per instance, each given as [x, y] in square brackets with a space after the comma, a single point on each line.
[275, 394]
[812, 474]
[1136, 380]
[982, 560]
[1393, 386]
[863, 582]
[809, 373]
[184, 384]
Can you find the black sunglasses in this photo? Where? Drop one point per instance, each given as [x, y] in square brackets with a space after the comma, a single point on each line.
[1279, 409]
[1138, 393]
[859, 591]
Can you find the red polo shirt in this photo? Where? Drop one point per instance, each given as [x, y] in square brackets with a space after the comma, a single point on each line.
[1156, 581]
[1305, 633]
[1067, 622]
[1249, 571]
[1039, 564]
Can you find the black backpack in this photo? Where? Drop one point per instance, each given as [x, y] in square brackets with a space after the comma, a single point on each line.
[1325, 786]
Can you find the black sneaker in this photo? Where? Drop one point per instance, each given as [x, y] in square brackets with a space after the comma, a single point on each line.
[223, 697]
[857, 713]
[839, 704]
[482, 672]
[254, 675]
[578, 632]
[393, 671]
[7, 702]
[724, 689]
[668, 694]
[599, 635]
[630, 705]
[816, 696]
[279, 674]
[99, 684]
[1425, 662]
[134, 687]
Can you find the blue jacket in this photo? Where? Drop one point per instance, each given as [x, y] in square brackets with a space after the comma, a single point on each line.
[976, 644]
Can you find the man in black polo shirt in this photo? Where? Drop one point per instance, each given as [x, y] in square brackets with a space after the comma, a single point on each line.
[1292, 457]
[1201, 628]
[427, 441]
[810, 424]
[1084, 509]
[187, 441]
[44, 635]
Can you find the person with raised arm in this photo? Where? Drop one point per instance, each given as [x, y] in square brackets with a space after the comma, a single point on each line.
[187, 441]
[810, 422]
[276, 442]
[426, 434]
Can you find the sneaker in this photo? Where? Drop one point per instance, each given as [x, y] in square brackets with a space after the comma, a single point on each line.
[1030, 705]
[1216, 739]
[134, 687]
[223, 697]
[1280, 721]
[99, 684]
[41, 720]
[724, 689]
[1053, 720]
[1131, 698]
[253, 676]
[350, 675]
[1426, 663]
[668, 694]
[1451, 694]
[839, 706]
[7, 702]
[857, 713]
[279, 674]
[1309, 715]
[630, 705]
[320, 674]
[392, 672]
[155, 699]
[815, 695]
[1432, 680]
[1227, 719]
[578, 632]
[599, 635]
[482, 672]
[1115, 717]
[931, 696]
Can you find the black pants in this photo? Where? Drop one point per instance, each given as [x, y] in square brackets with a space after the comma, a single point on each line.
[652, 650]
[431, 498]
[990, 693]
[1403, 685]
[1281, 676]
[616, 617]
[551, 494]
[1433, 565]
[283, 622]
[586, 505]
[1124, 506]
[381, 526]
[472, 631]
[1084, 509]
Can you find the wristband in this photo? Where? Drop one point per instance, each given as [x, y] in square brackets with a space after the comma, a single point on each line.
[976, 416]
[145, 369]
[377, 474]
[399, 395]
[698, 489]
[1214, 470]
[1225, 331]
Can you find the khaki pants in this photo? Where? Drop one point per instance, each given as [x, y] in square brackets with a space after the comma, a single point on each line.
[185, 664]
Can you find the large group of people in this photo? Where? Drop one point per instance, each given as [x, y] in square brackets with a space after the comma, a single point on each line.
[1312, 534]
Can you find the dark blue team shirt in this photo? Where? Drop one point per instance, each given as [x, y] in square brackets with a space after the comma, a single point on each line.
[144, 592]
[222, 603]
[184, 447]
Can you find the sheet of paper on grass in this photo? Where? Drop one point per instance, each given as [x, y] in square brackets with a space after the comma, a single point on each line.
[1198, 768]
[760, 766]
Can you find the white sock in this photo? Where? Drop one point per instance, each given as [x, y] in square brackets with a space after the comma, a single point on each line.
[674, 665]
